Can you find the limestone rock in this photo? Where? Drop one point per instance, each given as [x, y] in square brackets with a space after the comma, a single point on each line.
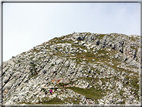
[81, 68]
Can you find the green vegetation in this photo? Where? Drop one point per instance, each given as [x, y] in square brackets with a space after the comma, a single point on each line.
[135, 48]
[104, 80]
[52, 64]
[133, 82]
[33, 70]
[101, 36]
[23, 53]
[121, 92]
[135, 86]
[31, 58]
[90, 80]
[65, 84]
[14, 69]
[88, 33]
[43, 89]
[36, 50]
[133, 38]
[60, 39]
[19, 61]
[7, 69]
[89, 56]
[72, 100]
[92, 93]
[46, 100]
[25, 102]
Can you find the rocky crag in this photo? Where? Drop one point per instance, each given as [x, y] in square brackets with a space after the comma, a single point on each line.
[80, 68]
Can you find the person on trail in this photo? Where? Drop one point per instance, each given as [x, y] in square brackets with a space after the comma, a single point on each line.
[50, 91]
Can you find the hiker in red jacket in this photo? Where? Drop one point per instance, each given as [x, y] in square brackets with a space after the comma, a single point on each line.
[50, 91]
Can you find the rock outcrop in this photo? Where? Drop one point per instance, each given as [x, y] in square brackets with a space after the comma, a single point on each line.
[80, 68]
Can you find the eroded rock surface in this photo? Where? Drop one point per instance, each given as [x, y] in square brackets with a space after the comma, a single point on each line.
[80, 68]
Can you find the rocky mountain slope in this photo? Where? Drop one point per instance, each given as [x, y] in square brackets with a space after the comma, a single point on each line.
[80, 68]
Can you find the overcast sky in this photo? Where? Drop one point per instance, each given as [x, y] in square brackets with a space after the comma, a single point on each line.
[26, 25]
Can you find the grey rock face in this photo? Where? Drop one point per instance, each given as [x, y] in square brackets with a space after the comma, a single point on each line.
[80, 68]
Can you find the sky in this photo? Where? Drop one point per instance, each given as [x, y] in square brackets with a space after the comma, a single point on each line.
[26, 25]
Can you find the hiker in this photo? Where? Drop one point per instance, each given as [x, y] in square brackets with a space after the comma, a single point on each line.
[50, 91]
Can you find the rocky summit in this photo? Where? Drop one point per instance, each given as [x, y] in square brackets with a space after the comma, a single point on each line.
[79, 68]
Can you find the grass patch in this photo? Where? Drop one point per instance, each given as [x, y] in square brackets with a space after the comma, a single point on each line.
[89, 56]
[92, 93]
[100, 36]
[45, 100]
[63, 84]
[55, 100]
[14, 69]
[90, 80]
[135, 86]
[60, 39]
[72, 100]
[133, 82]
[133, 38]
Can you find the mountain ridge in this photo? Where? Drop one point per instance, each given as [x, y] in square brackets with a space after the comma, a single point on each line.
[94, 68]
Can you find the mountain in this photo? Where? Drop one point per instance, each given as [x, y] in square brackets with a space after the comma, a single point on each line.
[80, 68]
